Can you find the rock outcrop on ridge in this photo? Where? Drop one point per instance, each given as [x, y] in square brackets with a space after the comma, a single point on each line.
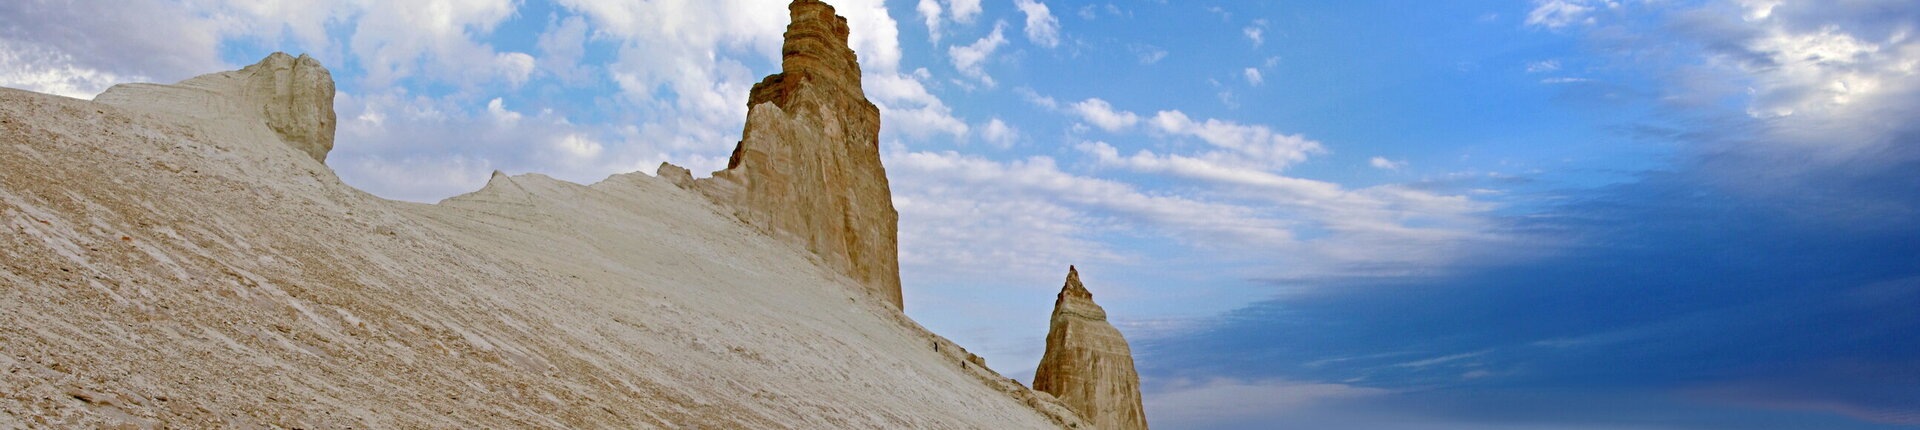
[1088, 364]
[292, 96]
[172, 256]
[808, 163]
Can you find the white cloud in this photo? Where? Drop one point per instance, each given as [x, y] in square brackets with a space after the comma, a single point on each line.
[934, 15]
[1384, 164]
[578, 146]
[77, 49]
[1256, 32]
[1251, 145]
[1042, 28]
[1253, 76]
[999, 134]
[907, 108]
[38, 69]
[1376, 231]
[498, 109]
[964, 10]
[930, 12]
[1103, 115]
[1543, 66]
[399, 40]
[1258, 143]
[1036, 99]
[1555, 14]
[971, 60]
[1220, 167]
[562, 47]
[1823, 82]
[1178, 217]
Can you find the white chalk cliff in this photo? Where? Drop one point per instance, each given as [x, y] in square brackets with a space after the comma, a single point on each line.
[179, 256]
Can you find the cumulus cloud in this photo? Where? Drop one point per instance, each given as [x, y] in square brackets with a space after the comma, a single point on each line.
[1383, 163]
[907, 108]
[1820, 84]
[930, 13]
[398, 40]
[562, 47]
[1042, 28]
[78, 49]
[971, 60]
[1253, 76]
[1103, 115]
[934, 14]
[964, 10]
[999, 134]
[39, 69]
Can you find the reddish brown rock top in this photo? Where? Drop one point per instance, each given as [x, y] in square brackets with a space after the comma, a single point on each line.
[1088, 364]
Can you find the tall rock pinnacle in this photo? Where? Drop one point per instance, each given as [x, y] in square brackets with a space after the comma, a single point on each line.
[808, 163]
[1088, 364]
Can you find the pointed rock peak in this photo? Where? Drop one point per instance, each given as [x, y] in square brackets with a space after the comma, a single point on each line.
[1088, 364]
[1074, 288]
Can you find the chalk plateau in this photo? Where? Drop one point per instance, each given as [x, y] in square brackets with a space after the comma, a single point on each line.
[1088, 364]
[178, 256]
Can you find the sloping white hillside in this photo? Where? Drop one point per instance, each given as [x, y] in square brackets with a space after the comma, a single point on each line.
[162, 269]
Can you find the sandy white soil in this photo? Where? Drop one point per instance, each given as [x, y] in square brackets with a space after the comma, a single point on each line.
[162, 271]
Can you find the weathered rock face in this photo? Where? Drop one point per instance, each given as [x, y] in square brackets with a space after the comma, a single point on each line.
[292, 96]
[1088, 364]
[808, 163]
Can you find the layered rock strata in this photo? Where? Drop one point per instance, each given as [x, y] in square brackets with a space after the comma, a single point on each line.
[291, 96]
[808, 163]
[1088, 364]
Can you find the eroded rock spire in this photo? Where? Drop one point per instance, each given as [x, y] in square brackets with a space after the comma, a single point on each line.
[808, 163]
[1088, 364]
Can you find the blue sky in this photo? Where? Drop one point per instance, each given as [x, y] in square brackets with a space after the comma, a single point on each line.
[1563, 214]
